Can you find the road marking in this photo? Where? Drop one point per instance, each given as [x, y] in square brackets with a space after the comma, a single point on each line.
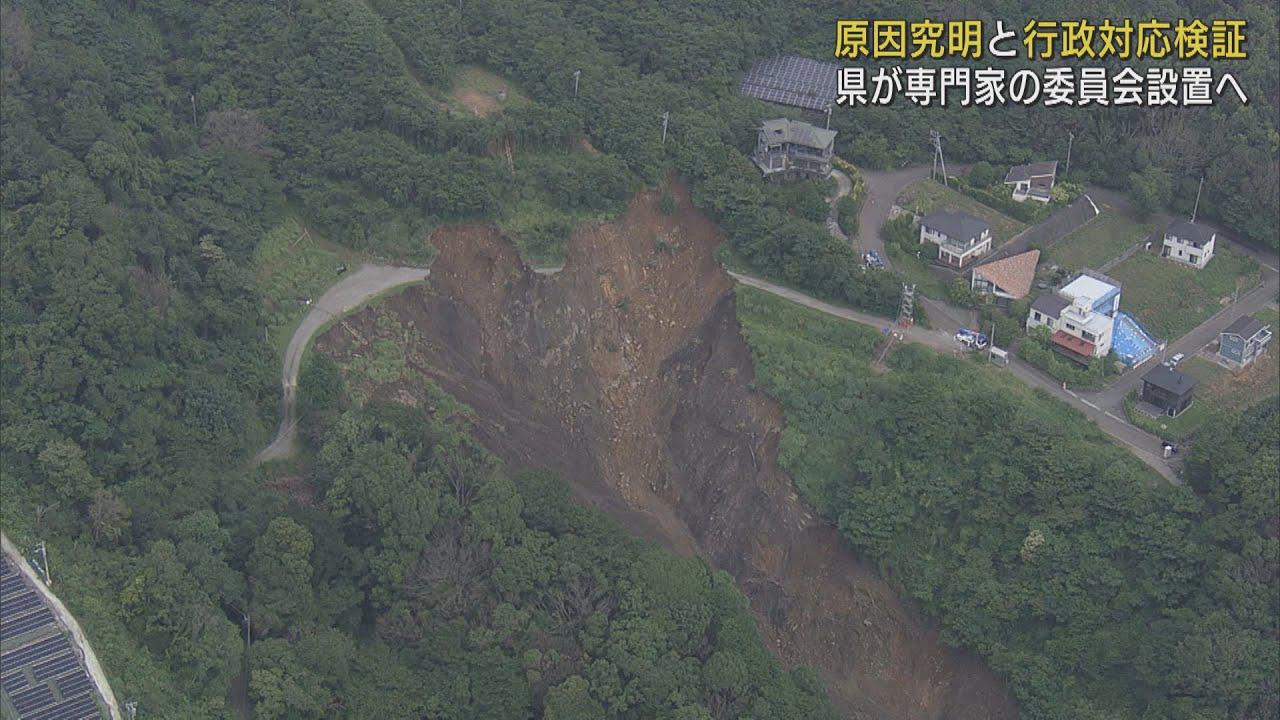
[1113, 417]
[1086, 402]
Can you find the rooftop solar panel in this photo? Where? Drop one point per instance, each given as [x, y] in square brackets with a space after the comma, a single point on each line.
[792, 80]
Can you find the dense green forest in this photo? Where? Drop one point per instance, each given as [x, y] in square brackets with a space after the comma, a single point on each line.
[149, 146]
[1099, 590]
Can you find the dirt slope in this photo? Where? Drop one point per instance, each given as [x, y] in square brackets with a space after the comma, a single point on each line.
[627, 373]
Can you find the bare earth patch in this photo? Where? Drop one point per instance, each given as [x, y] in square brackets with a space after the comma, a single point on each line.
[627, 373]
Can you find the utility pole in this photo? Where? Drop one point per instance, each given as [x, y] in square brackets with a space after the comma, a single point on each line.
[1196, 209]
[828, 117]
[44, 563]
[938, 161]
[1071, 137]
[576, 75]
[666, 117]
[193, 110]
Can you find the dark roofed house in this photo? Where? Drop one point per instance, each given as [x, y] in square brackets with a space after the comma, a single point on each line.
[960, 237]
[1168, 390]
[1189, 243]
[1244, 340]
[793, 149]
[1033, 180]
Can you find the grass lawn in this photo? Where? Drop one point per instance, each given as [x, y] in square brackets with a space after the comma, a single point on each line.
[1219, 393]
[1269, 316]
[1170, 298]
[1101, 239]
[476, 91]
[292, 264]
[925, 196]
[917, 270]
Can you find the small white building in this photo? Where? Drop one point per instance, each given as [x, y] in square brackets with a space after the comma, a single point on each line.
[1033, 180]
[1080, 316]
[1189, 243]
[961, 238]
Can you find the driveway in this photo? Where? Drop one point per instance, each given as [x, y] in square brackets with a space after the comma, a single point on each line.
[345, 296]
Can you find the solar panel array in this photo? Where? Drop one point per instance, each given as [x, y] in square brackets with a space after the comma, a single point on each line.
[792, 80]
[41, 674]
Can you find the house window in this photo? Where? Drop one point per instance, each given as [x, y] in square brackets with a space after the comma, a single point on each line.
[1070, 326]
[1038, 316]
[1193, 258]
[1088, 336]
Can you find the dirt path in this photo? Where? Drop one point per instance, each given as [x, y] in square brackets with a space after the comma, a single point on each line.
[346, 295]
[67, 621]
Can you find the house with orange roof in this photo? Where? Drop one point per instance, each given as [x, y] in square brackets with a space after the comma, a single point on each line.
[1006, 279]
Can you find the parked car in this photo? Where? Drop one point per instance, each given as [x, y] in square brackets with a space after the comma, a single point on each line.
[873, 260]
[972, 339]
[1177, 358]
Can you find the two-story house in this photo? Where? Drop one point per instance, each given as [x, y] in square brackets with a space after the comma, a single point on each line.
[787, 149]
[1241, 342]
[961, 238]
[1189, 243]
[1080, 316]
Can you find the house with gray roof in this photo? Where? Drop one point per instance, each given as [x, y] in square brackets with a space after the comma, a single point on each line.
[961, 238]
[1189, 243]
[788, 149]
[1033, 180]
[1243, 341]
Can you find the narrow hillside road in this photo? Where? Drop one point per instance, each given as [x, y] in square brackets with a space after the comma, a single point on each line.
[1144, 446]
[346, 295]
[883, 188]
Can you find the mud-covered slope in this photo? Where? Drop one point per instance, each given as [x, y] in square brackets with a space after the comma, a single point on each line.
[627, 373]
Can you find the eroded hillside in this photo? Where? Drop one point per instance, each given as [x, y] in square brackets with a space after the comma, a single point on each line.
[626, 372]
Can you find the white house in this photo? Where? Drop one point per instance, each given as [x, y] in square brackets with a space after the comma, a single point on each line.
[1080, 316]
[1189, 243]
[961, 238]
[1033, 180]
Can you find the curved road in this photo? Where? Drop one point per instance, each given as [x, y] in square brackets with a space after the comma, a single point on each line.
[883, 188]
[345, 296]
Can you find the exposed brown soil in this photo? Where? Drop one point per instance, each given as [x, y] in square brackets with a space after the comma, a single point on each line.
[482, 104]
[627, 373]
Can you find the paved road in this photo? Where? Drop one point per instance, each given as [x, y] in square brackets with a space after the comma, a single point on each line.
[883, 187]
[1203, 334]
[346, 295]
[1144, 446]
